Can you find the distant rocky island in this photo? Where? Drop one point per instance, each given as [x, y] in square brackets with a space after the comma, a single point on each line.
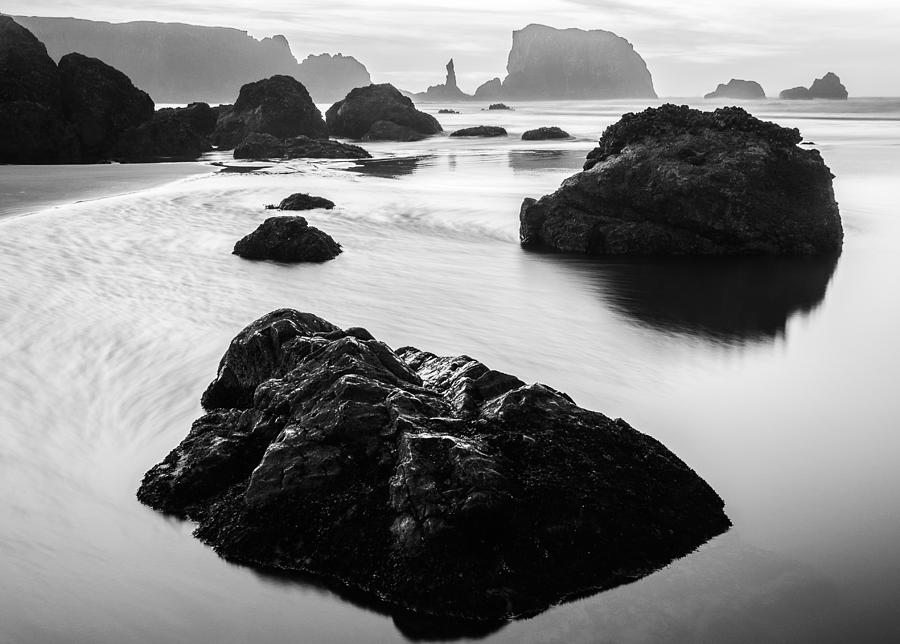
[737, 88]
[829, 86]
[178, 63]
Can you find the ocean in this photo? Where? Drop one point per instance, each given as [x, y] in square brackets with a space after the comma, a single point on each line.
[778, 381]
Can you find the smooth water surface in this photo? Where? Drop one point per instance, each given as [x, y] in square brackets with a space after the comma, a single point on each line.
[777, 380]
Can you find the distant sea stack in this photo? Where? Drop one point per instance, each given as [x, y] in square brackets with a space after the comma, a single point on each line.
[548, 63]
[829, 86]
[737, 88]
[178, 63]
[449, 91]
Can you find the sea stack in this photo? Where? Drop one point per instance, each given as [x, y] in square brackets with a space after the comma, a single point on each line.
[381, 108]
[434, 484]
[548, 63]
[677, 181]
[449, 91]
[828, 87]
[737, 88]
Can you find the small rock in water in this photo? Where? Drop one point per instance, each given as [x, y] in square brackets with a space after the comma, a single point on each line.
[302, 201]
[434, 484]
[499, 106]
[480, 130]
[542, 133]
[447, 112]
[287, 239]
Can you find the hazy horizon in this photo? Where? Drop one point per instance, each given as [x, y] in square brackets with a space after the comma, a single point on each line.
[689, 47]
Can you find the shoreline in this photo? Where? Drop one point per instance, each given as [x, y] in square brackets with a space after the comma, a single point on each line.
[27, 189]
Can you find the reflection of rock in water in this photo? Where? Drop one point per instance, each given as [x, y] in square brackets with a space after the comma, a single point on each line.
[531, 160]
[725, 299]
[388, 168]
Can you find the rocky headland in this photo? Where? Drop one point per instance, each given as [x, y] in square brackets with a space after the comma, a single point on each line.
[677, 181]
[430, 483]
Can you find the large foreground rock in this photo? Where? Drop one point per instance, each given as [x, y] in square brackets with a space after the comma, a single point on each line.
[431, 483]
[288, 239]
[266, 146]
[737, 88]
[548, 63]
[677, 181]
[279, 106]
[363, 107]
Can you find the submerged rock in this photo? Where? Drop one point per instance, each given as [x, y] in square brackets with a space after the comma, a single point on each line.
[542, 133]
[266, 146]
[480, 130]
[736, 88]
[288, 239]
[363, 107]
[829, 86]
[677, 181]
[279, 106]
[303, 201]
[431, 483]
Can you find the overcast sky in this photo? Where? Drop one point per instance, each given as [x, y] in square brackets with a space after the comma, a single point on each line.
[689, 45]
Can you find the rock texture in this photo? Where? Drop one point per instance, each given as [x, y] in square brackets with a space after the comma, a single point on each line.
[266, 146]
[279, 106]
[489, 90]
[303, 201]
[287, 239]
[542, 133]
[431, 483]
[829, 86]
[737, 88]
[178, 63]
[390, 131]
[548, 63]
[33, 128]
[677, 181]
[363, 107]
[480, 130]
[449, 91]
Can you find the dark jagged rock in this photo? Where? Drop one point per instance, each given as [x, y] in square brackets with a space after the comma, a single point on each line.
[480, 130]
[287, 239]
[266, 146]
[434, 484]
[737, 88]
[677, 181]
[390, 131]
[548, 63]
[795, 94]
[449, 91]
[489, 90]
[499, 106]
[172, 134]
[542, 133]
[363, 107]
[303, 201]
[279, 106]
[446, 111]
[101, 102]
[829, 86]
[33, 128]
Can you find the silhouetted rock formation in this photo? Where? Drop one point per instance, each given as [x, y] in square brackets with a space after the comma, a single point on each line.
[101, 102]
[829, 86]
[288, 239]
[736, 88]
[390, 131]
[279, 106]
[177, 63]
[446, 111]
[432, 483]
[303, 201]
[33, 128]
[677, 181]
[542, 133]
[547, 63]
[499, 106]
[449, 91]
[266, 146]
[480, 130]
[172, 134]
[795, 94]
[489, 90]
[363, 107]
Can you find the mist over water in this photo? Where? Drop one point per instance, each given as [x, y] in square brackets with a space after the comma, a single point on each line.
[776, 380]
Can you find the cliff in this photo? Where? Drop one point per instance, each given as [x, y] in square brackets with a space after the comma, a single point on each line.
[548, 63]
[178, 63]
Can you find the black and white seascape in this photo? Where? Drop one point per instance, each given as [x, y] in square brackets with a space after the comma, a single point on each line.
[574, 322]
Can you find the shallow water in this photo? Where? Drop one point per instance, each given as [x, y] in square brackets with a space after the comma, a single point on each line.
[775, 380]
